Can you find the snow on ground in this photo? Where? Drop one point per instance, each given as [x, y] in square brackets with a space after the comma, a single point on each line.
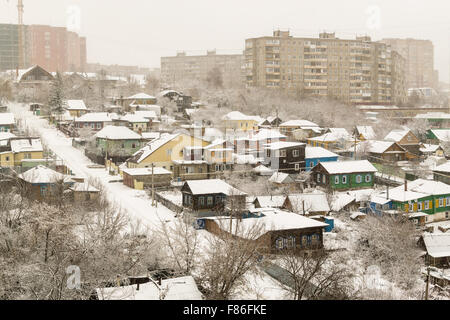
[134, 202]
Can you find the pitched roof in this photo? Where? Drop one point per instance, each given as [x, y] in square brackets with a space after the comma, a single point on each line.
[237, 115]
[396, 135]
[437, 244]
[26, 145]
[441, 134]
[146, 171]
[97, 117]
[337, 167]
[267, 134]
[263, 170]
[117, 133]
[283, 144]
[133, 118]
[270, 201]
[443, 167]
[332, 136]
[281, 177]
[429, 147]
[272, 219]
[318, 152]
[41, 174]
[140, 96]
[374, 146]
[6, 118]
[209, 186]
[417, 189]
[298, 123]
[152, 146]
[366, 131]
[314, 202]
[83, 187]
[75, 105]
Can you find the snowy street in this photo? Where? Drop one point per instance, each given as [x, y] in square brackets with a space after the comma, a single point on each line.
[135, 203]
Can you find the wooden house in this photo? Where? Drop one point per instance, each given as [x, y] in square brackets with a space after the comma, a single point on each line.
[94, 120]
[343, 175]
[379, 151]
[190, 170]
[212, 195]
[437, 246]
[43, 183]
[7, 122]
[163, 151]
[314, 155]
[442, 173]
[287, 157]
[140, 178]
[407, 140]
[76, 108]
[281, 230]
[365, 133]
[238, 121]
[82, 192]
[290, 126]
[114, 141]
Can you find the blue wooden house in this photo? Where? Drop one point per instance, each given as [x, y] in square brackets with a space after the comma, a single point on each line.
[379, 203]
[314, 155]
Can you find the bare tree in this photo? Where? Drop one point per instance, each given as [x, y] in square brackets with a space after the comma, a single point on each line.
[228, 258]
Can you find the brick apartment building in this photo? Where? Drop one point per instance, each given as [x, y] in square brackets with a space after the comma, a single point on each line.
[52, 48]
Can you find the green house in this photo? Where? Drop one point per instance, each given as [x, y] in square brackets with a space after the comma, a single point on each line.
[118, 140]
[344, 175]
[431, 197]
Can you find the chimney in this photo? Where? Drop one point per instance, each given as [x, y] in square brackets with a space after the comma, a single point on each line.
[406, 185]
[387, 192]
[137, 287]
[159, 281]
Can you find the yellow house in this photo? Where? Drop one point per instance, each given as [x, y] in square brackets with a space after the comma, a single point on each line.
[26, 149]
[236, 120]
[76, 108]
[162, 151]
[6, 159]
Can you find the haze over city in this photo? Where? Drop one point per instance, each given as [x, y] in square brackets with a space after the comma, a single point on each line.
[140, 32]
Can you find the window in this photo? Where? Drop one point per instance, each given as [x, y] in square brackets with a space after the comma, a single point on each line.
[318, 177]
[344, 179]
[368, 178]
[420, 206]
[133, 145]
[7, 159]
[324, 178]
[291, 242]
[279, 243]
[297, 166]
[123, 145]
[169, 152]
[295, 153]
[441, 202]
[209, 200]
[411, 207]
[282, 153]
[427, 205]
[99, 125]
[218, 199]
[268, 153]
[446, 215]
[358, 178]
[201, 201]
[336, 179]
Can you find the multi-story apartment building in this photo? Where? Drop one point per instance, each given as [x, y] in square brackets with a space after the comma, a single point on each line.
[183, 67]
[354, 71]
[9, 46]
[52, 48]
[419, 55]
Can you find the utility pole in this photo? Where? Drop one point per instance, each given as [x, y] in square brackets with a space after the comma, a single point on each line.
[428, 283]
[153, 185]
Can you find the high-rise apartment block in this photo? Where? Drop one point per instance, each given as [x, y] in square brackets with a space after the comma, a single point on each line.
[356, 71]
[52, 48]
[185, 67]
[419, 55]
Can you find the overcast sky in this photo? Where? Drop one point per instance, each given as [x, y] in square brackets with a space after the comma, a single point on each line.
[139, 32]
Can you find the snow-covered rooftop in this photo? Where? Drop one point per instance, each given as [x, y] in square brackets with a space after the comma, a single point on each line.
[146, 171]
[41, 174]
[318, 152]
[75, 105]
[263, 170]
[396, 135]
[152, 146]
[271, 201]
[237, 115]
[281, 177]
[182, 288]
[443, 167]
[140, 96]
[426, 148]
[117, 133]
[7, 118]
[271, 219]
[437, 244]
[26, 145]
[332, 136]
[264, 134]
[442, 134]
[298, 123]
[97, 117]
[338, 167]
[366, 131]
[83, 187]
[313, 202]
[282, 144]
[208, 186]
